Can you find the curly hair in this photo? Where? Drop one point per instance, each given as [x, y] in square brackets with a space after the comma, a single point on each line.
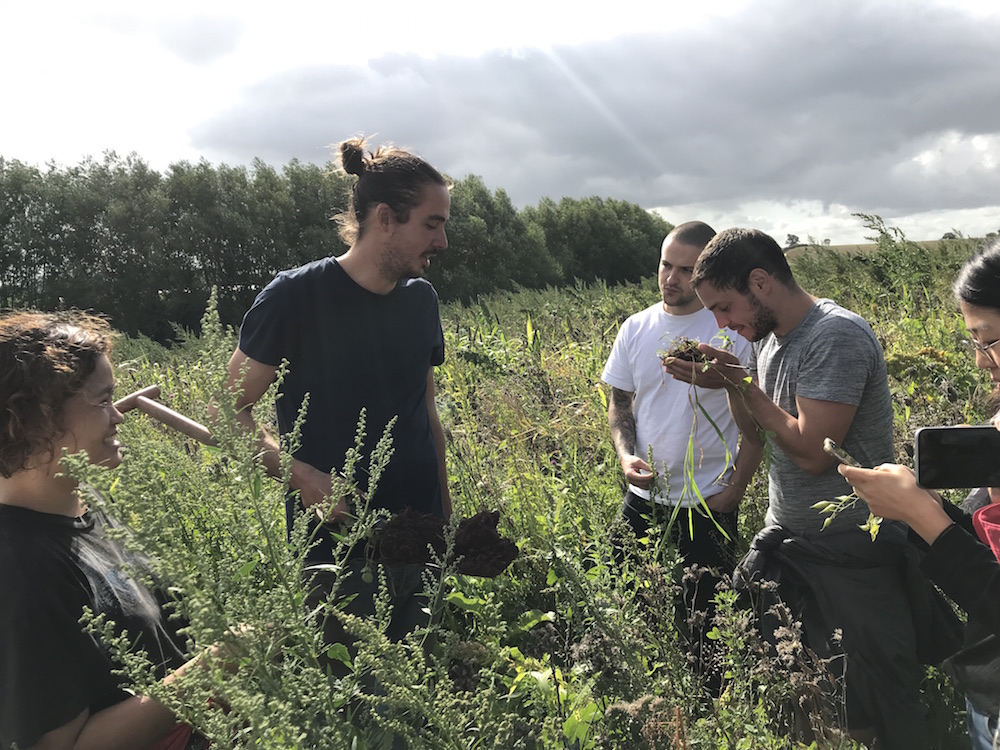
[389, 175]
[45, 358]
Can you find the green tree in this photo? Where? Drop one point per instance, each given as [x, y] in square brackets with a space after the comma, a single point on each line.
[600, 239]
[24, 206]
[491, 246]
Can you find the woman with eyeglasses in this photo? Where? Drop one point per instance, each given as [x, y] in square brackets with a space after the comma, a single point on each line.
[58, 688]
[963, 547]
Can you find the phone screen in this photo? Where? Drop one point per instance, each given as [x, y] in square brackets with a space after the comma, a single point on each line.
[957, 457]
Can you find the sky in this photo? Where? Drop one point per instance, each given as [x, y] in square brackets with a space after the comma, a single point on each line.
[784, 115]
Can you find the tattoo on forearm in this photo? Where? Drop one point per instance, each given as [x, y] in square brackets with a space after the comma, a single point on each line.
[621, 419]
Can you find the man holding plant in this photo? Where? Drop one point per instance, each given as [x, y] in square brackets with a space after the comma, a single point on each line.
[359, 331]
[698, 474]
[817, 371]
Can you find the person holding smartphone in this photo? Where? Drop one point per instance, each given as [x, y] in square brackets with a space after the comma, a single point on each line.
[961, 547]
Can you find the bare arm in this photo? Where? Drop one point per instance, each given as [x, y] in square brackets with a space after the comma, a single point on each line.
[621, 420]
[136, 722]
[801, 438]
[250, 379]
[439, 443]
[748, 458]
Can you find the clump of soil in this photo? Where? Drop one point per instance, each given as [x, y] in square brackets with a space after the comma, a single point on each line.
[686, 349]
[479, 548]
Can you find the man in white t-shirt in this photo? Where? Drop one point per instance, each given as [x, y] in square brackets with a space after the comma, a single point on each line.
[680, 424]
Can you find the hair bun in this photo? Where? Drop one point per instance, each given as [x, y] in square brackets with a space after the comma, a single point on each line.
[352, 156]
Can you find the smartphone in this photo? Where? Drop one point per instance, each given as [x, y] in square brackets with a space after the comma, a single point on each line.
[839, 453]
[957, 457]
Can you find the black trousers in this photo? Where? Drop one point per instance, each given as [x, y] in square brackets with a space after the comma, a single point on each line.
[698, 541]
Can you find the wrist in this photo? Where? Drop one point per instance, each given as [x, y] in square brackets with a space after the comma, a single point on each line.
[738, 383]
[930, 522]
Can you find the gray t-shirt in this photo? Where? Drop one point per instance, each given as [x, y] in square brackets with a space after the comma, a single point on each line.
[831, 355]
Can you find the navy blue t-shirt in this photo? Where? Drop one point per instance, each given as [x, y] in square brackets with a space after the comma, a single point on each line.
[349, 348]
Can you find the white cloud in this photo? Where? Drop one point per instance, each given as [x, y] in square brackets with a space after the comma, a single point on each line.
[957, 154]
[809, 220]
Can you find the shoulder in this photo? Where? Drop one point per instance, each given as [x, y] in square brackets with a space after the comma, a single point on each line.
[832, 323]
[294, 279]
[272, 325]
[643, 318]
[414, 297]
[831, 315]
[36, 567]
[420, 288]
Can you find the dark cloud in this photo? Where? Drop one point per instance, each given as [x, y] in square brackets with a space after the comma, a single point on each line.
[787, 101]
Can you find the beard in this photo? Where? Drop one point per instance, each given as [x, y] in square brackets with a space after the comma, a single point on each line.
[764, 320]
[681, 300]
[393, 266]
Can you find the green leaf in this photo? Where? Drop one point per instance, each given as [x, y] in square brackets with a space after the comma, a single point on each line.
[529, 619]
[467, 603]
[339, 652]
[575, 727]
[246, 569]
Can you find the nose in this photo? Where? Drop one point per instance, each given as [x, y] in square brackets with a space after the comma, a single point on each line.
[984, 360]
[116, 416]
[443, 242]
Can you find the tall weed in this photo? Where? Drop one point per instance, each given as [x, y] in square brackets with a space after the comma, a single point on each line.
[566, 649]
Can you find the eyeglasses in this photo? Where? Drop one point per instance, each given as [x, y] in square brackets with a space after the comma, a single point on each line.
[985, 348]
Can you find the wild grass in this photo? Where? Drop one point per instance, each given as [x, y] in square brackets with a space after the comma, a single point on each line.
[563, 650]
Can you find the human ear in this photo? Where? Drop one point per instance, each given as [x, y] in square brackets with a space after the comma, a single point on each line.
[759, 281]
[384, 216]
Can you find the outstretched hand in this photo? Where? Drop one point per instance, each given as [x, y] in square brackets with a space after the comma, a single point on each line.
[721, 370]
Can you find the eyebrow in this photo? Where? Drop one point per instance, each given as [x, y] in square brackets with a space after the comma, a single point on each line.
[106, 391]
[437, 217]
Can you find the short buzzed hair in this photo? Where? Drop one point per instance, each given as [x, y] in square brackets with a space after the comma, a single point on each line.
[694, 233]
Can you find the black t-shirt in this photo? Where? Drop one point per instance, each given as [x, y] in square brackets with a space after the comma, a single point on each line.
[51, 567]
[349, 349]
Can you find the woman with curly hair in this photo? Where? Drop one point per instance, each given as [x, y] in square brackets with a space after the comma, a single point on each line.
[58, 688]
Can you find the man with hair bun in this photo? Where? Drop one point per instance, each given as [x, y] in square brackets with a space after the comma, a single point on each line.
[359, 331]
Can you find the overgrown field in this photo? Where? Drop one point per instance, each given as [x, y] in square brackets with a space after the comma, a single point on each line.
[564, 649]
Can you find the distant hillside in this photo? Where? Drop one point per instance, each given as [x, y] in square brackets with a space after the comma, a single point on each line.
[797, 250]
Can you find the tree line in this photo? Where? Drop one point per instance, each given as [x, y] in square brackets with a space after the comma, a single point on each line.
[146, 248]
